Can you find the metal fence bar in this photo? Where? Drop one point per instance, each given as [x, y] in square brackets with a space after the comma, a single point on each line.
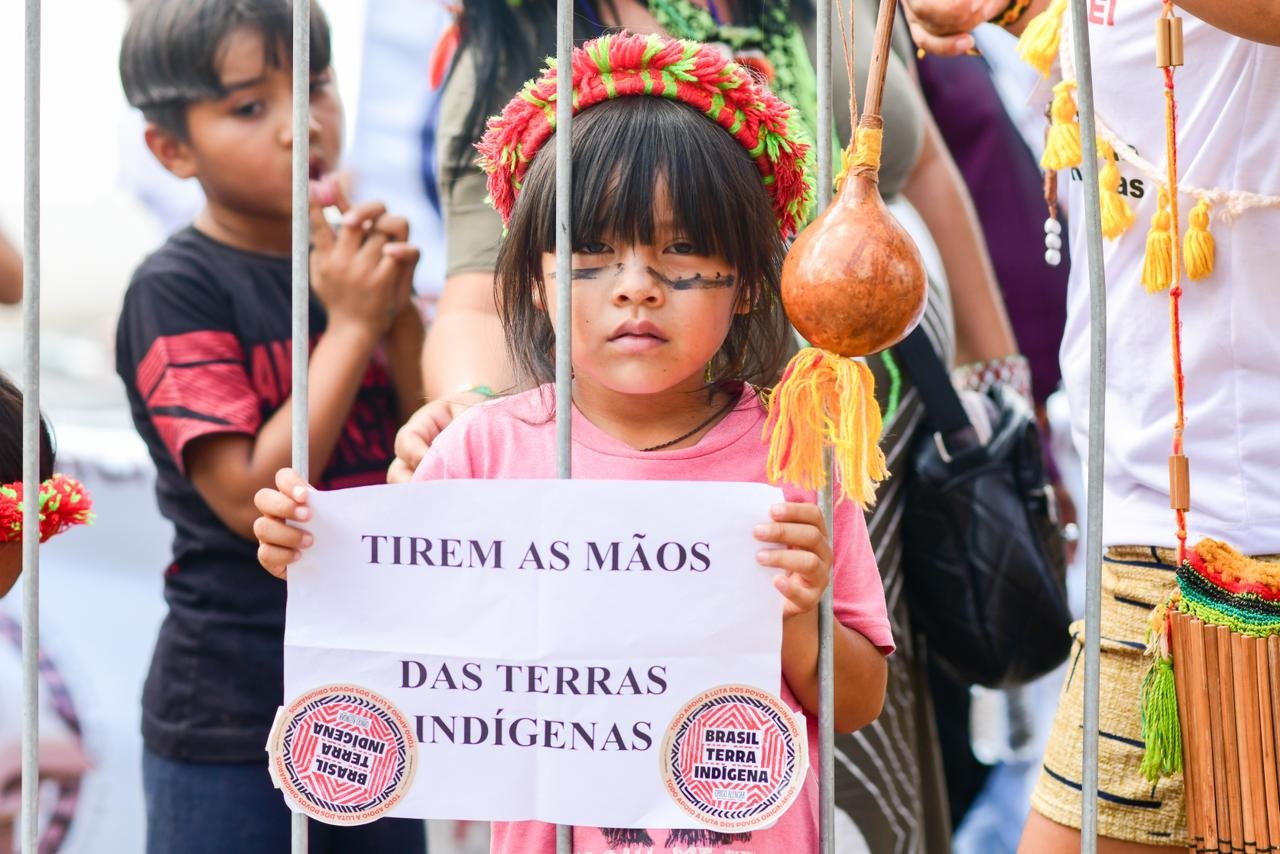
[1097, 425]
[31, 429]
[564, 271]
[301, 256]
[826, 662]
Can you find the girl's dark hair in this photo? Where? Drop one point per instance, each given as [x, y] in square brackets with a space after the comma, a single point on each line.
[172, 48]
[11, 436]
[510, 42]
[622, 149]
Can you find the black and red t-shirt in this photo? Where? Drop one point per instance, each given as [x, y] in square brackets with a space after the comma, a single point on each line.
[203, 347]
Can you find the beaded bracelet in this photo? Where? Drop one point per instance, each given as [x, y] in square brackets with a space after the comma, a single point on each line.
[1012, 13]
[1013, 371]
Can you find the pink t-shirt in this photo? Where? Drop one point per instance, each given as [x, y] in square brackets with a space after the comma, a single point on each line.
[514, 437]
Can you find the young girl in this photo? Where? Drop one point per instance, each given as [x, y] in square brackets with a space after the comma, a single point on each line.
[677, 250]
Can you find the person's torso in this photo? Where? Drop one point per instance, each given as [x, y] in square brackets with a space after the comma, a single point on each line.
[1227, 127]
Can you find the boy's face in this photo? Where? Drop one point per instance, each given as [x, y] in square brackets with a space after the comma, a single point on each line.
[240, 146]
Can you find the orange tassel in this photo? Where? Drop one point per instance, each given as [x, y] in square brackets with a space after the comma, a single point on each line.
[825, 399]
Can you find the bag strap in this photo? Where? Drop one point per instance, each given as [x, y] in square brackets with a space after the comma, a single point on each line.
[943, 409]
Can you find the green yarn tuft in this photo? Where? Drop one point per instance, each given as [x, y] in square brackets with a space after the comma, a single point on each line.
[1160, 729]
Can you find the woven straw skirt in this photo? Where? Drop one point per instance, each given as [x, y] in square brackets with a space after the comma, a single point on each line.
[1130, 807]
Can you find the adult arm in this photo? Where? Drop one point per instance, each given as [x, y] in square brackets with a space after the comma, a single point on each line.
[464, 346]
[1255, 20]
[943, 26]
[936, 190]
[10, 273]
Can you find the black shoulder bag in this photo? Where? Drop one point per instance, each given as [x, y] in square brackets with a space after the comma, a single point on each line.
[984, 562]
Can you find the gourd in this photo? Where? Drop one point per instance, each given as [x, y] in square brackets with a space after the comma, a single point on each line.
[853, 284]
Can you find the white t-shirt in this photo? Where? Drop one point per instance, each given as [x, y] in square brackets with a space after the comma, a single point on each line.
[1228, 95]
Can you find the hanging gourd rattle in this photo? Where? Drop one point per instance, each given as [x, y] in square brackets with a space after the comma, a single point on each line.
[853, 283]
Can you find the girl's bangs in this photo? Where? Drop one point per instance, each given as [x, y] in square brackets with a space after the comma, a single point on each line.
[627, 152]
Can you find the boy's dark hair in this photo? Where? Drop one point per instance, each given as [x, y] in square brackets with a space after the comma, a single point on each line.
[172, 49]
[621, 149]
[11, 436]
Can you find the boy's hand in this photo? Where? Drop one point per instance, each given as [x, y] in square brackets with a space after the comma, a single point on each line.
[280, 543]
[363, 271]
[806, 555]
[413, 439]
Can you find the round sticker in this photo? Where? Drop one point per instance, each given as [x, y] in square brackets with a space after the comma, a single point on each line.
[343, 754]
[735, 758]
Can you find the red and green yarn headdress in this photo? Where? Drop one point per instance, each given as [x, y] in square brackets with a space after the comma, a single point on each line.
[626, 64]
[63, 503]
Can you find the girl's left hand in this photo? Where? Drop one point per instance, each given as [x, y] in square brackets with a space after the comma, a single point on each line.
[806, 556]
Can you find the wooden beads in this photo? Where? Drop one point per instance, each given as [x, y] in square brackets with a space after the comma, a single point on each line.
[1179, 482]
[1168, 42]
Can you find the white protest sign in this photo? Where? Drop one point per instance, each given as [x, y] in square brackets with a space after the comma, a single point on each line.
[537, 640]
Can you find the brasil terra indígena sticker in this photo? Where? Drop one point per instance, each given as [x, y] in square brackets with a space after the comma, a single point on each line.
[735, 758]
[342, 754]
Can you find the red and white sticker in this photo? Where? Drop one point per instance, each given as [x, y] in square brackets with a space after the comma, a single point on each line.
[735, 758]
[342, 754]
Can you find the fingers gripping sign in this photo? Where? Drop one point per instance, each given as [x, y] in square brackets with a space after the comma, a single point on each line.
[805, 556]
[280, 531]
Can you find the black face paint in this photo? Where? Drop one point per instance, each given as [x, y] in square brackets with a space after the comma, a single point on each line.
[687, 283]
[696, 281]
[581, 274]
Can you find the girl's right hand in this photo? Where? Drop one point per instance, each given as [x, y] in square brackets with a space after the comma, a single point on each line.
[281, 543]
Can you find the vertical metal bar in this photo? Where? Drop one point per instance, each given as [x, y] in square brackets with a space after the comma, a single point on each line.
[31, 430]
[1097, 425]
[564, 272]
[301, 254]
[564, 233]
[826, 663]
[826, 695]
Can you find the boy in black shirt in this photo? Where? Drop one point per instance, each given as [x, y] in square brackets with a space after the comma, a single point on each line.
[203, 349]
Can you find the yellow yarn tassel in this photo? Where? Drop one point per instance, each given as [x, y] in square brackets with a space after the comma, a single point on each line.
[825, 399]
[1197, 246]
[1157, 266]
[1117, 216]
[1062, 147]
[1038, 44]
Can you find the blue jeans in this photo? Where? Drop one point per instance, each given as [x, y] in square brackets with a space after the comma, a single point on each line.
[211, 808]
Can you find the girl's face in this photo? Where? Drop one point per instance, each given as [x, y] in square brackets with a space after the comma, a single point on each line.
[647, 318]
